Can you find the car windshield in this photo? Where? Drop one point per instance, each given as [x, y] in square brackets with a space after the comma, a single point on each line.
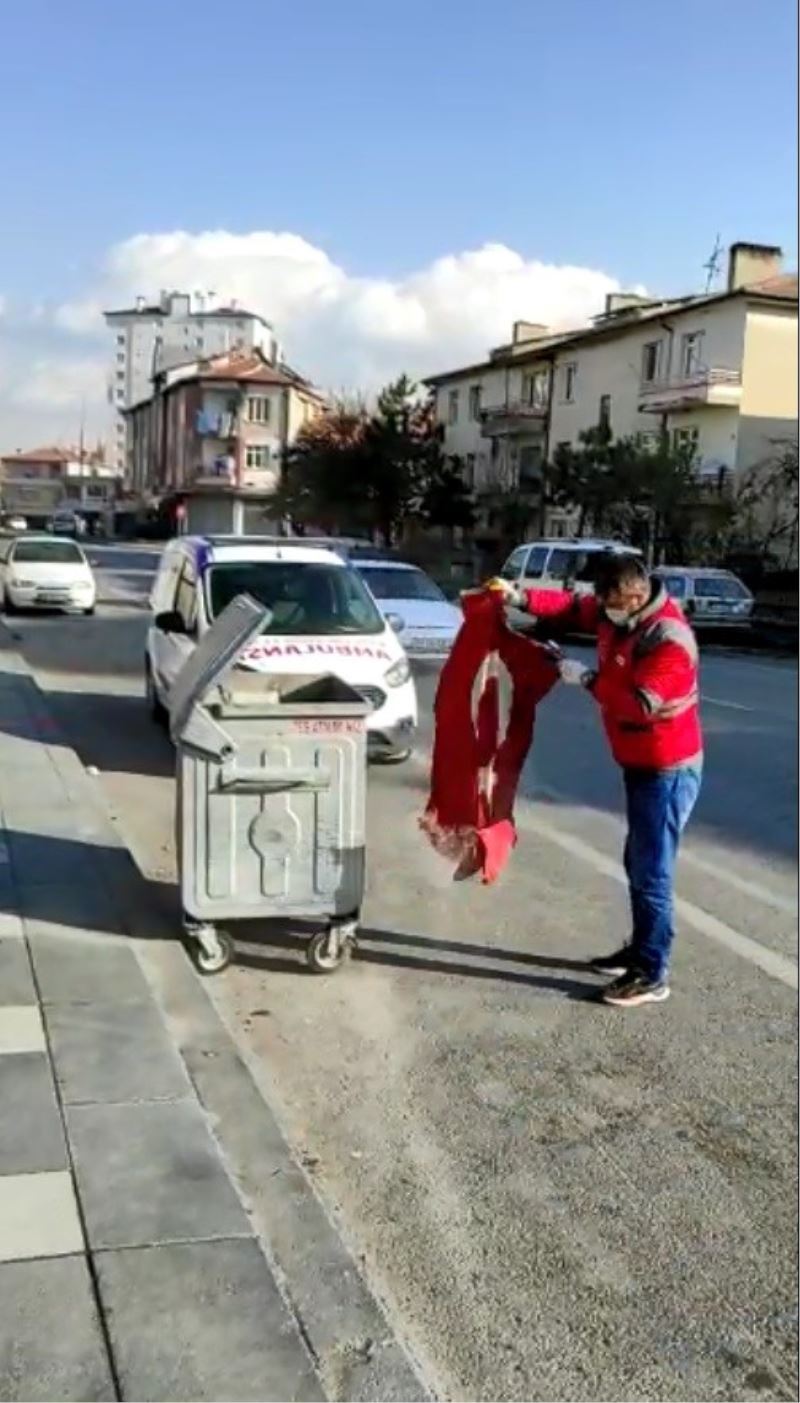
[304, 598]
[387, 583]
[47, 553]
[719, 587]
[676, 585]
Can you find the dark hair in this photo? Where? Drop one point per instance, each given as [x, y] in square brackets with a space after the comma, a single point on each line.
[615, 571]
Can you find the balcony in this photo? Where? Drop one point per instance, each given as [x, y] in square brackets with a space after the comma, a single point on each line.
[703, 386]
[511, 418]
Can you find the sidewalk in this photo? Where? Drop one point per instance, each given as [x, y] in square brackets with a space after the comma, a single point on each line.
[129, 1264]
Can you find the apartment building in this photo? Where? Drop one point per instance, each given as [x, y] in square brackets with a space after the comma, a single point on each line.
[36, 483]
[212, 435]
[180, 327]
[717, 371]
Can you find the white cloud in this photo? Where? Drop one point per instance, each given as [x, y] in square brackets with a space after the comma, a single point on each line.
[340, 328]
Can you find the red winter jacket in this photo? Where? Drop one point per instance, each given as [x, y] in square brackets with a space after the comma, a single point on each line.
[647, 676]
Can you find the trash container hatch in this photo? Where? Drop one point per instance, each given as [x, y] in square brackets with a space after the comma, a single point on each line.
[291, 692]
[216, 652]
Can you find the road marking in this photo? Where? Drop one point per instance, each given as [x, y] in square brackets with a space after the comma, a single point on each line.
[746, 885]
[773, 964]
[718, 701]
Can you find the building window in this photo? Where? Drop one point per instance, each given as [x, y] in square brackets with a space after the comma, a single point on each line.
[452, 407]
[570, 378]
[257, 455]
[120, 394]
[691, 345]
[647, 439]
[651, 362]
[686, 440]
[120, 338]
[258, 409]
[535, 386]
[474, 402]
[120, 357]
[120, 374]
[604, 414]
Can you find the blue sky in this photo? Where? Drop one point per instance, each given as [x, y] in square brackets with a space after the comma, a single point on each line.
[611, 135]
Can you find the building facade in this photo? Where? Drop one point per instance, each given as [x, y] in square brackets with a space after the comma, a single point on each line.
[44, 480]
[213, 434]
[151, 337]
[718, 372]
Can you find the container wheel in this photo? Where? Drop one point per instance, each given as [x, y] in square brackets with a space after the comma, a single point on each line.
[328, 949]
[210, 961]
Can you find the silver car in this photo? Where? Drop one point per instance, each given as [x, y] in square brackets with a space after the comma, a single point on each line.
[423, 619]
[709, 598]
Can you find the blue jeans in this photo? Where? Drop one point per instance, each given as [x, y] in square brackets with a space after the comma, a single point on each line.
[659, 804]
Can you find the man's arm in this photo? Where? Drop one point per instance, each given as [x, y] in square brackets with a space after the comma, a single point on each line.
[563, 607]
[662, 684]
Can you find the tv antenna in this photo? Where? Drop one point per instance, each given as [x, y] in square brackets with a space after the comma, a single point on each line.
[712, 266]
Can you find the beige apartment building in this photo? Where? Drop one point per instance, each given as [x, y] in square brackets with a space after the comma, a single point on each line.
[213, 434]
[717, 370]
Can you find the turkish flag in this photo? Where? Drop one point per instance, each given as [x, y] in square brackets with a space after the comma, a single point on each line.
[469, 817]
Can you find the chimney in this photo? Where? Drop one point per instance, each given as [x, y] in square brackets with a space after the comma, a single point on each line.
[528, 331]
[140, 303]
[617, 302]
[752, 263]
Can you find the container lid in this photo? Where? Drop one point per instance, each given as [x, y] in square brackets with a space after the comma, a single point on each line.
[239, 624]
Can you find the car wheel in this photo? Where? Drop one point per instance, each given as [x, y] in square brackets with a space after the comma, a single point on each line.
[392, 757]
[89, 612]
[156, 707]
[9, 607]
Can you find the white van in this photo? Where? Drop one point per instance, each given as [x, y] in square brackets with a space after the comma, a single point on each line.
[559, 563]
[324, 619]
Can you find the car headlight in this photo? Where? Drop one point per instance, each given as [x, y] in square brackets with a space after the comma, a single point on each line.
[22, 584]
[396, 622]
[398, 673]
[81, 587]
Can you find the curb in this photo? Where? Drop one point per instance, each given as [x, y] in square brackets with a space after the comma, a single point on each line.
[344, 1325]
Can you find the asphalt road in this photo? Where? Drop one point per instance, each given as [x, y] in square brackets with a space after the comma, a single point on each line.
[555, 1200]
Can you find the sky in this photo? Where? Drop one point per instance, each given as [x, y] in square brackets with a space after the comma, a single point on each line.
[390, 185]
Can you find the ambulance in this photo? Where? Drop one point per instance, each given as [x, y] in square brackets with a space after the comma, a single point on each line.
[323, 619]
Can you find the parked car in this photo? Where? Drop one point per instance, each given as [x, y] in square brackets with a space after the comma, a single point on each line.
[559, 564]
[709, 598]
[423, 619]
[15, 524]
[324, 619]
[46, 572]
[67, 523]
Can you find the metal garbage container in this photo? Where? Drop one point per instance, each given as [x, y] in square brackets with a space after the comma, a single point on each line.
[270, 796]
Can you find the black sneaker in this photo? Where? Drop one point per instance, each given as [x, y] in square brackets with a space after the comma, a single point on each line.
[633, 989]
[619, 963]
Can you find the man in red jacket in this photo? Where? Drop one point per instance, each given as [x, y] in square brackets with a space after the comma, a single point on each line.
[646, 684]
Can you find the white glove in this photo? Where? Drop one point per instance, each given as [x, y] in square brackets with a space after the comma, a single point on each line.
[574, 672]
[512, 594]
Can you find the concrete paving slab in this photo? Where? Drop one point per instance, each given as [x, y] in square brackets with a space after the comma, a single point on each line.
[16, 980]
[38, 1216]
[21, 1029]
[68, 908]
[79, 967]
[47, 859]
[151, 1173]
[114, 1052]
[32, 1137]
[230, 1334]
[38, 1362]
[11, 927]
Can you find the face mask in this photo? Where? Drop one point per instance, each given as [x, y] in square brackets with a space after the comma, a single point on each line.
[617, 617]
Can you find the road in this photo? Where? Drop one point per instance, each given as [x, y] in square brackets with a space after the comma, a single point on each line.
[555, 1200]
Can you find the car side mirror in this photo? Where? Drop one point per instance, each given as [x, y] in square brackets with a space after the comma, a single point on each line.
[171, 622]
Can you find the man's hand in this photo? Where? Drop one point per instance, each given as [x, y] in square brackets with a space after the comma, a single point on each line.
[574, 672]
[512, 594]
